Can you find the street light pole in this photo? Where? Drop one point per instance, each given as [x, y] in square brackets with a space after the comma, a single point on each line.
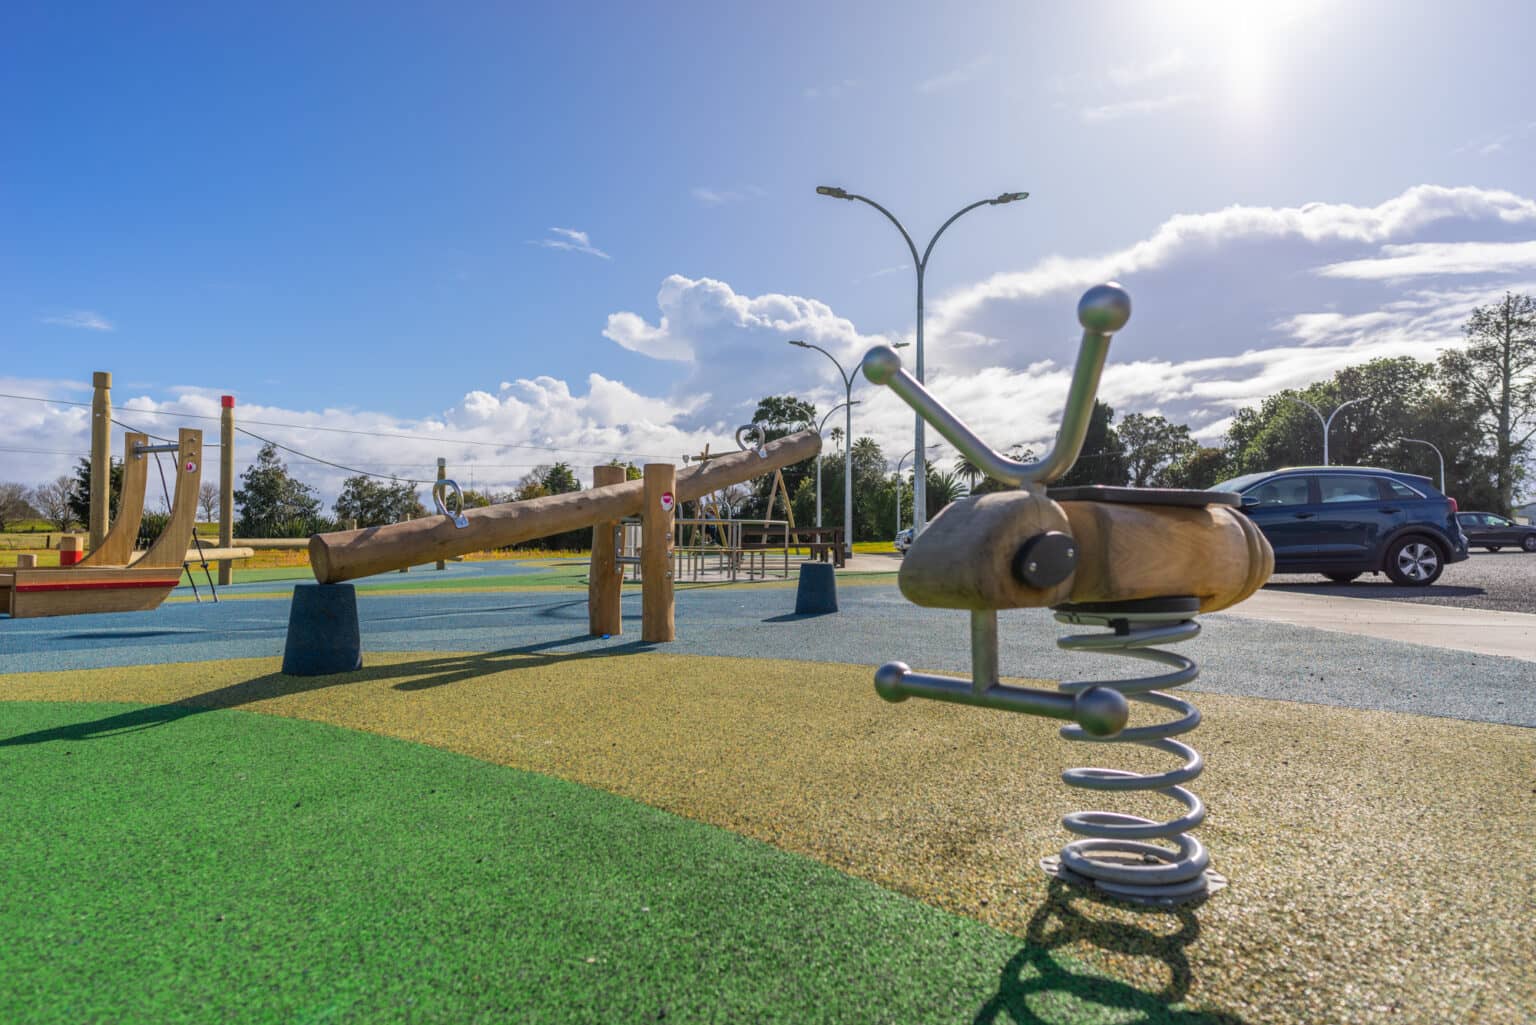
[919, 462]
[1328, 423]
[819, 428]
[898, 487]
[1421, 441]
[847, 443]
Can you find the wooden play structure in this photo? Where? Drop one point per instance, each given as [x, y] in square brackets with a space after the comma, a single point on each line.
[1139, 563]
[350, 554]
[112, 577]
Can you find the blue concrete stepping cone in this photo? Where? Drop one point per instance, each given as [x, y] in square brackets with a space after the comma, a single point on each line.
[322, 631]
[818, 589]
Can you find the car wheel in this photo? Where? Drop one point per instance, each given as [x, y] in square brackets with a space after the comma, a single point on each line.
[1529, 544]
[1414, 561]
[1494, 548]
[1341, 578]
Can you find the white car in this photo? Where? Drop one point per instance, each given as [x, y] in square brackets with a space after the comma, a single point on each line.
[903, 540]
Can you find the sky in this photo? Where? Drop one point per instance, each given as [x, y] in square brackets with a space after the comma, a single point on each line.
[509, 234]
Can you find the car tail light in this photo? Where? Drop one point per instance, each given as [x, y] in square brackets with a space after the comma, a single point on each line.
[1454, 507]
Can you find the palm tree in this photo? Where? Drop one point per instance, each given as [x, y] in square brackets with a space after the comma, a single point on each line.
[836, 434]
[943, 488]
[967, 471]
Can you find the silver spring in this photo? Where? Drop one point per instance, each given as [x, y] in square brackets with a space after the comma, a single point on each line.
[1115, 855]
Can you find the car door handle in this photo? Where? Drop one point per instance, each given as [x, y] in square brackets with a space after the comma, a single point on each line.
[1391, 509]
[1304, 516]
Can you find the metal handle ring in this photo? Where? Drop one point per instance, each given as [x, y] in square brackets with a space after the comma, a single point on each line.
[752, 438]
[442, 508]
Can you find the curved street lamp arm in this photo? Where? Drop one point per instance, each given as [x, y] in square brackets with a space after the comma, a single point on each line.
[847, 378]
[943, 227]
[822, 426]
[892, 218]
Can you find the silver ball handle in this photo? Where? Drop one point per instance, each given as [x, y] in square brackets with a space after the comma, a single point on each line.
[1103, 310]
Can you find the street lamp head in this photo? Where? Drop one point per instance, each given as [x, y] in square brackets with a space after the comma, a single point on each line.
[1009, 197]
[798, 343]
[833, 191]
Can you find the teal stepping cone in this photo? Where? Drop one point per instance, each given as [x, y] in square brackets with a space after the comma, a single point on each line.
[817, 593]
[323, 635]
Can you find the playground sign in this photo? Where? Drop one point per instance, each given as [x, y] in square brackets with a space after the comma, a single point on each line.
[666, 501]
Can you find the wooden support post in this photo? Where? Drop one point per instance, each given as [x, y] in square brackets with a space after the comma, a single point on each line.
[101, 457]
[656, 622]
[442, 474]
[604, 582]
[226, 486]
[26, 560]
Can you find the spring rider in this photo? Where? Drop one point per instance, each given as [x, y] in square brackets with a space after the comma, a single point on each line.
[1138, 562]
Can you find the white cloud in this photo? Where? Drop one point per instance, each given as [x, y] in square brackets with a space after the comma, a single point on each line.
[1422, 259]
[570, 240]
[956, 77]
[719, 197]
[1186, 234]
[82, 319]
[1133, 108]
[702, 318]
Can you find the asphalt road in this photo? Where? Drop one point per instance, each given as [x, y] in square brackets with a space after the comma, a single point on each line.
[1503, 581]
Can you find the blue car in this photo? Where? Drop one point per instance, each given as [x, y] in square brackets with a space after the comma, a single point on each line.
[1342, 521]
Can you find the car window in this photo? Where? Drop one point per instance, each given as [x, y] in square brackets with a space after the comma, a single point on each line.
[1498, 521]
[1341, 488]
[1399, 489]
[1281, 491]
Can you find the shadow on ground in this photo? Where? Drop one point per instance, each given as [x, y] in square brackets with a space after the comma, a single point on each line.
[418, 674]
[1036, 988]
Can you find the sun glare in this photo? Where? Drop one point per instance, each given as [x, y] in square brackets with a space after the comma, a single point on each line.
[1241, 45]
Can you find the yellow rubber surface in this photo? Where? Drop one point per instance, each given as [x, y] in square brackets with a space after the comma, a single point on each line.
[1382, 866]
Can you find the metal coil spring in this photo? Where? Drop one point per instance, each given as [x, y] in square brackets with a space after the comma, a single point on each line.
[1115, 857]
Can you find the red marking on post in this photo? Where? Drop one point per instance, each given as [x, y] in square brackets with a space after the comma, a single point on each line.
[666, 501]
[227, 401]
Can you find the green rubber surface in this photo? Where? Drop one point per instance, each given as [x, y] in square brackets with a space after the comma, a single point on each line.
[219, 866]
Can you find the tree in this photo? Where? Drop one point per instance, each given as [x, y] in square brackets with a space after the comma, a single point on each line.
[1198, 469]
[53, 501]
[1152, 444]
[631, 471]
[273, 504]
[1496, 375]
[208, 501]
[1019, 454]
[780, 415]
[968, 471]
[374, 503]
[80, 491]
[836, 436]
[944, 487]
[15, 503]
[1102, 460]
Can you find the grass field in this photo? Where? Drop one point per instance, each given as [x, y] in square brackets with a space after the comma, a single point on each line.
[180, 865]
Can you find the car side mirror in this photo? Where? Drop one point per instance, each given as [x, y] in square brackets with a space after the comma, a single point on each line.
[1249, 501]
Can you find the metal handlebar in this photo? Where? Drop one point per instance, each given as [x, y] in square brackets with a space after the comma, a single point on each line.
[1103, 310]
[752, 438]
[442, 507]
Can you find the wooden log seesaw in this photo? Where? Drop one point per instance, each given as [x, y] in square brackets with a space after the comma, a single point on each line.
[1141, 562]
[323, 633]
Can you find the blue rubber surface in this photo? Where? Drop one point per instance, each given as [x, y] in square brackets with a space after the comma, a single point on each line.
[875, 625]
